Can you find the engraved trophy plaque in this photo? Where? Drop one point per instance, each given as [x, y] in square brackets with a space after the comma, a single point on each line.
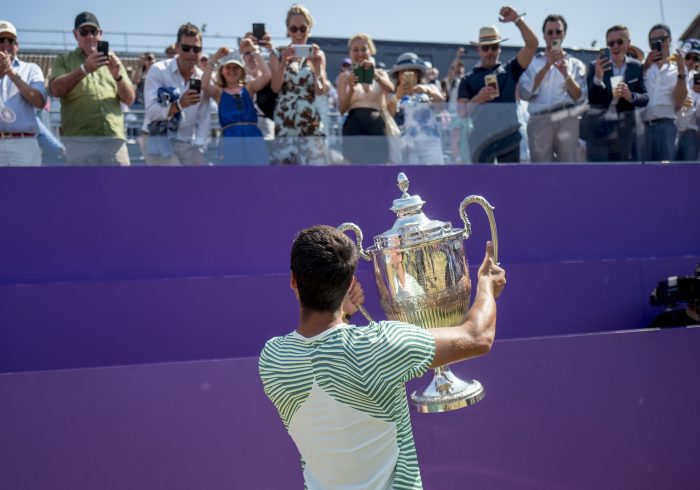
[422, 278]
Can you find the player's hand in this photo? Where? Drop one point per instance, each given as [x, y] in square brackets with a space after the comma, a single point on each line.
[353, 299]
[490, 274]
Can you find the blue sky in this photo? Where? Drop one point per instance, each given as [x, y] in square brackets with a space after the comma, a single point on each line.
[441, 21]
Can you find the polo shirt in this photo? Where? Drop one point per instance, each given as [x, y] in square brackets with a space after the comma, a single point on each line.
[498, 117]
[342, 397]
[92, 108]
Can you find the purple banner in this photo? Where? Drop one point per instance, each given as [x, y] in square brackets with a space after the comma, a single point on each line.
[108, 266]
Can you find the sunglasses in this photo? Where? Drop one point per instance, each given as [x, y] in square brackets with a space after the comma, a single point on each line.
[88, 32]
[619, 42]
[490, 47]
[551, 32]
[9, 40]
[186, 48]
[238, 99]
[294, 29]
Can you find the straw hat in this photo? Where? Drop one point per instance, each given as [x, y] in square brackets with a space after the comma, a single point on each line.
[489, 35]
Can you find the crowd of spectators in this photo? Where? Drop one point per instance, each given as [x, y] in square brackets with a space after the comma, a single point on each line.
[273, 102]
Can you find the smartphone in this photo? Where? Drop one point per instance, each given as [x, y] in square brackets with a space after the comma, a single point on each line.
[696, 79]
[408, 78]
[103, 47]
[359, 72]
[364, 75]
[491, 80]
[556, 44]
[369, 74]
[656, 46]
[259, 31]
[303, 50]
[196, 84]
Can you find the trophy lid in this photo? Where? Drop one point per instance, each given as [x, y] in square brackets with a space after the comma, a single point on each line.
[412, 226]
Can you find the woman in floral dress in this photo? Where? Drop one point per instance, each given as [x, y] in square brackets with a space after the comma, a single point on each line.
[298, 76]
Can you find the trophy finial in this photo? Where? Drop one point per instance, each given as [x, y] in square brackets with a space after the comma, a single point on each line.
[403, 182]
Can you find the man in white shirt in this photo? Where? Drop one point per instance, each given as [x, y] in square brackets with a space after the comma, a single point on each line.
[688, 144]
[177, 117]
[554, 85]
[666, 86]
[22, 91]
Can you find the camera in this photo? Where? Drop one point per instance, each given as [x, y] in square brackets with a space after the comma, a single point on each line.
[677, 289]
[103, 47]
[195, 84]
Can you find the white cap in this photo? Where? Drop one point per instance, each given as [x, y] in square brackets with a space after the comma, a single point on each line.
[7, 27]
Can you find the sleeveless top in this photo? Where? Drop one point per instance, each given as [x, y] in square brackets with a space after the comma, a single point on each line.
[296, 113]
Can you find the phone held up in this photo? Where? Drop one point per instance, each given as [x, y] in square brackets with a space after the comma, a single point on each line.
[696, 79]
[303, 50]
[195, 84]
[408, 78]
[364, 75]
[556, 44]
[491, 80]
[657, 45]
[259, 31]
[103, 47]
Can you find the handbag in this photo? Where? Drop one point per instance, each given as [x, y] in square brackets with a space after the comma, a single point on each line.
[266, 99]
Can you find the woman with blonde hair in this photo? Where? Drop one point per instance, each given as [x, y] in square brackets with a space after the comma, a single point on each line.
[362, 93]
[298, 77]
[242, 142]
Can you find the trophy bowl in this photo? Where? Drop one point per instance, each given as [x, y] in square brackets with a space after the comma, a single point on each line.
[422, 278]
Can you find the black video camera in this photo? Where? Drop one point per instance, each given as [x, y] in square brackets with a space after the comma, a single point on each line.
[677, 289]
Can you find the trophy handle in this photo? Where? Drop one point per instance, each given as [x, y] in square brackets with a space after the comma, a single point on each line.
[358, 238]
[361, 252]
[492, 220]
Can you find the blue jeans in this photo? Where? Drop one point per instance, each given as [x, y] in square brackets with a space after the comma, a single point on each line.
[660, 140]
[688, 145]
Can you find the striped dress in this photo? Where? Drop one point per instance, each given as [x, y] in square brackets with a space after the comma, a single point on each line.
[342, 398]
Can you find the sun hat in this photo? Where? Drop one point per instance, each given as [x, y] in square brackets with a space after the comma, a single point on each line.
[408, 61]
[489, 35]
[692, 46]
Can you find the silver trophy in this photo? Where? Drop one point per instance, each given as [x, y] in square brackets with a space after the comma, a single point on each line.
[422, 278]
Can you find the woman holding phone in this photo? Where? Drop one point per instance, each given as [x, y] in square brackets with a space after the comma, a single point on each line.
[416, 111]
[362, 93]
[298, 77]
[242, 142]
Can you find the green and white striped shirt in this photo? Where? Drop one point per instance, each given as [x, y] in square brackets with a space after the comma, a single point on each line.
[342, 397]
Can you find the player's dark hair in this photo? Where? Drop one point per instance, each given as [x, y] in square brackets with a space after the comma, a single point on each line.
[323, 262]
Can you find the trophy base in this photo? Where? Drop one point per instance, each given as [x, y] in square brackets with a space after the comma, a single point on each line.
[447, 392]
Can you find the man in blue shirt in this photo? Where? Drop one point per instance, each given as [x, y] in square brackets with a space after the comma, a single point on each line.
[22, 91]
[492, 107]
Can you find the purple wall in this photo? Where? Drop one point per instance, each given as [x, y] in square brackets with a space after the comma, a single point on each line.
[108, 266]
[606, 411]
